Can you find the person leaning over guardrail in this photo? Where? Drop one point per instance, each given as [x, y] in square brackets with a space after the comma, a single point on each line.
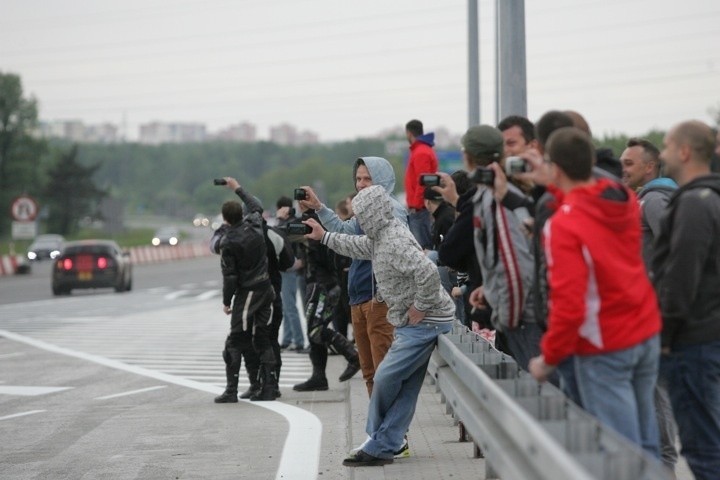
[418, 307]
[602, 310]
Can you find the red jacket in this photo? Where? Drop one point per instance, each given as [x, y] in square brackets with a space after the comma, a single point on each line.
[600, 297]
[422, 160]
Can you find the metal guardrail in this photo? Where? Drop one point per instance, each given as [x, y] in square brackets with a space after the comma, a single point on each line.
[527, 430]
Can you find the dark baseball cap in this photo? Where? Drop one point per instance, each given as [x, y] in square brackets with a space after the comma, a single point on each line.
[483, 141]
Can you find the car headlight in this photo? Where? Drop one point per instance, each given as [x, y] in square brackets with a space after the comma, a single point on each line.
[32, 255]
[156, 241]
[54, 254]
[173, 241]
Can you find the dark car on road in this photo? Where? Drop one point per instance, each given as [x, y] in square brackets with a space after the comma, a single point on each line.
[46, 246]
[92, 264]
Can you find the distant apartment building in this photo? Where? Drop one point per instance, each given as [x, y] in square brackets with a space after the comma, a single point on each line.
[286, 134]
[242, 132]
[77, 131]
[156, 133]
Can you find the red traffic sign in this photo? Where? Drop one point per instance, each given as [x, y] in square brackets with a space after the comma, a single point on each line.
[24, 209]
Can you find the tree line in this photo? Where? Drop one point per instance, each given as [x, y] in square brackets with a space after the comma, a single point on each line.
[73, 182]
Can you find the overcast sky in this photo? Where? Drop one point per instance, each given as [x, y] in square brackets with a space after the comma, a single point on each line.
[346, 69]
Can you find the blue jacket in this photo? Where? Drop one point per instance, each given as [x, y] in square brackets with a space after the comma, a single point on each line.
[360, 276]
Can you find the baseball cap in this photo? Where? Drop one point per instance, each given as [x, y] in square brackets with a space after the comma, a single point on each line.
[483, 141]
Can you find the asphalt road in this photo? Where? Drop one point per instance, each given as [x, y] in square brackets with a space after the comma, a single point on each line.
[111, 385]
[36, 284]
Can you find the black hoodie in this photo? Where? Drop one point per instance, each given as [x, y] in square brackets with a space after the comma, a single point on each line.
[686, 264]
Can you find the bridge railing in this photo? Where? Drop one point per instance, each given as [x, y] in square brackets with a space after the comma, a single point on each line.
[527, 430]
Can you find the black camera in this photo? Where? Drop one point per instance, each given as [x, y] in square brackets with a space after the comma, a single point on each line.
[300, 194]
[297, 228]
[219, 181]
[515, 165]
[430, 180]
[483, 175]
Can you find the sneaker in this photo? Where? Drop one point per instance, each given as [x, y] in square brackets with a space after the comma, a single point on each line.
[404, 450]
[363, 459]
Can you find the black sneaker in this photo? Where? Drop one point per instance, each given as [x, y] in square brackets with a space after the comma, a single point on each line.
[362, 459]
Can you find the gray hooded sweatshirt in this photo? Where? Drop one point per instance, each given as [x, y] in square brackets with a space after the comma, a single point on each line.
[405, 276]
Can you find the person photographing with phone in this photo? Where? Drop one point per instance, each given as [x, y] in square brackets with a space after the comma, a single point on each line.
[247, 295]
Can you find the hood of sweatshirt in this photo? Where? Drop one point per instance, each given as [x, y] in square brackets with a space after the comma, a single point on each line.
[380, 171]
[373, 209]
[427, 139]
[609, 202]
[662, 184]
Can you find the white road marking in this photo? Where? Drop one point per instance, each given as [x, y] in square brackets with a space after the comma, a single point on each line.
[176, 294]
[132, 392]
[301, 453]
[208, 295]
[31, 412]
[29, 391]
[10, 355]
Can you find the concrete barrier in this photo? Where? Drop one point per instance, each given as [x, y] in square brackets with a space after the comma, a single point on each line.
[9, 264]
[12, 264]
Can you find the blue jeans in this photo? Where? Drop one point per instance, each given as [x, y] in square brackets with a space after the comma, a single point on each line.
[419, 224]
[618, 388]
[693, 376]
[398, 380]
[292, 328]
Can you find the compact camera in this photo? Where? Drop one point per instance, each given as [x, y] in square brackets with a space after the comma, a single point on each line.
[219, 181]
[515, 165]
[297, 228]
[430, 180]
[483, 175]
[300, 194]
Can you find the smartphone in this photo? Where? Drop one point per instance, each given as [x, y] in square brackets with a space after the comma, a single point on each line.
[300, 194]
[297, 228]
[219, 181]
[430, 180]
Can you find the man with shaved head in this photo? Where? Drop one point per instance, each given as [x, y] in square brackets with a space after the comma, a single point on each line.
[686, 272]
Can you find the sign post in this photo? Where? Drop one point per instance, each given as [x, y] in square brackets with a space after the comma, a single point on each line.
[24, 211]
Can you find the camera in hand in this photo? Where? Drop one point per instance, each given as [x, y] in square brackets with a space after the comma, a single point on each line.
[483, 176]
[219, 181]
[300, 194]
[430, 180]
[298, 228]
[515, 165]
